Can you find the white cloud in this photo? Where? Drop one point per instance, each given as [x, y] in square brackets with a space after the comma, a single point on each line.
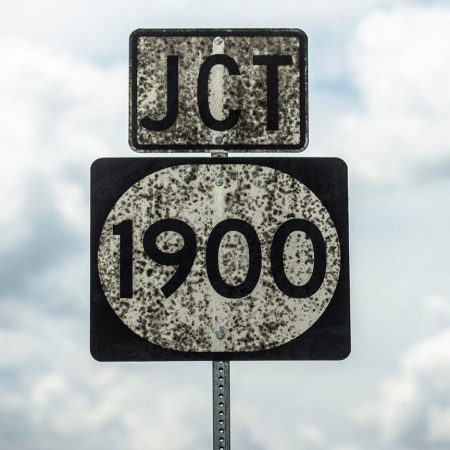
[95, 28]
[312, 436]
[439, 307]
[58, 114]
[413, 408]
[66, 400]
[255, 428]
[399, 61]
[91, 29]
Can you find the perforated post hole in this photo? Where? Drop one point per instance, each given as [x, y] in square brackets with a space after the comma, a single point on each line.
[221, 405]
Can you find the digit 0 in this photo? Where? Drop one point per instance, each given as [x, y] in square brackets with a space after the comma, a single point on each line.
[212, 258]
[277, 262]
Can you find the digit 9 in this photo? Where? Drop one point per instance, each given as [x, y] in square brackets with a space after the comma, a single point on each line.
[183, 258]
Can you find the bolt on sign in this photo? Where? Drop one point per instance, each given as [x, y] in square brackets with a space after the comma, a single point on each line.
[239, 90]
[219, 258]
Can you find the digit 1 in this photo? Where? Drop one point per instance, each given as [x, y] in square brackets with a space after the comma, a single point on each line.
[277, 263]
[212, 258]
[125, 231]
[183, 258]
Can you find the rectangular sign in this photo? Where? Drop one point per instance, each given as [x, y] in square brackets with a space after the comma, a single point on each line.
[217, 258]
[233, 89]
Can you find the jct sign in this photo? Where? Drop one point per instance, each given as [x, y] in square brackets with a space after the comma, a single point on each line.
[234, 89]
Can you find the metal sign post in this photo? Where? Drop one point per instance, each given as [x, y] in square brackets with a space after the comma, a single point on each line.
[221, 405]
[221, 398]
[215, 258]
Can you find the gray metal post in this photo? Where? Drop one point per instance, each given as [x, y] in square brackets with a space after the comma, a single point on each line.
[220, 369]
[221, 405]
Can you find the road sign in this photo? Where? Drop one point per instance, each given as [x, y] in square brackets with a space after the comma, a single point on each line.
[239, 90]
[218, 258]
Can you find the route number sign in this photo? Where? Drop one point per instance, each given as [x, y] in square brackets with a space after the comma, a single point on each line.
[207, 258]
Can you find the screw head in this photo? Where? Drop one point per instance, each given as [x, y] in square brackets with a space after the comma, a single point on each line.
[219, 181]
[218, 40]
[220, 333]
[218, 139]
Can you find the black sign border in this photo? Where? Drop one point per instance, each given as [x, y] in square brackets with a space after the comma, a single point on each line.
[213, 32]
[327, 339]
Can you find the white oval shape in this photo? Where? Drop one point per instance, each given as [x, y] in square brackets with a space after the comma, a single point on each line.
[189, 318]
[298, 258]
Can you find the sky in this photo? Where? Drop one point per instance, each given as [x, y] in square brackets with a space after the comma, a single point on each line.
[379, 99]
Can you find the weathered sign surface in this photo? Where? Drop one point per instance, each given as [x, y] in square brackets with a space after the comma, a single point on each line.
[206, 258]
[239, 90]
